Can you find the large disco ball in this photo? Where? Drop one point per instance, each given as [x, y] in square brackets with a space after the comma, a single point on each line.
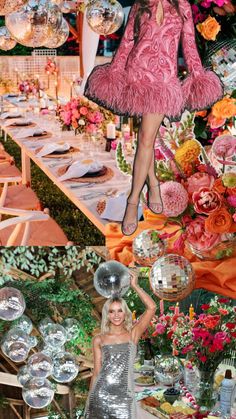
[51, 351]
[104, 16]
[72, 328]
[12, 303]
[168, 370]
[65, 367]
[8, 6]
[18, 351]
[38, 393]
[172, 277]
[24, 323]
[55, 335]
[43, 324]
[6, 41]
[112, 279]
[40, 365]
[31, 25]
[58, 37]
[33, 341]
[148, 247]
[23, 376]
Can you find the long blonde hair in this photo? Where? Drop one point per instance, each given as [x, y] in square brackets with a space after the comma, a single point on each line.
[105, 325]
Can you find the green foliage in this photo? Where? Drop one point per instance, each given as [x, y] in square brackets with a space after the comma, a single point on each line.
[3, 402]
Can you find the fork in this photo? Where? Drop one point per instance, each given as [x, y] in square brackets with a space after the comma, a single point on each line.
[110, 192]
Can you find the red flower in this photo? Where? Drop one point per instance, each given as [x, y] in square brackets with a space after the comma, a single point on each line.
[210, 322]
[205, 306]
[223, 300]
[230, 326]
[202, 358]
[233, 334]
[223, 311]
[206, 201]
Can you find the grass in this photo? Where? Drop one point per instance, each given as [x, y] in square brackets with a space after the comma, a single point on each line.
[74, 223]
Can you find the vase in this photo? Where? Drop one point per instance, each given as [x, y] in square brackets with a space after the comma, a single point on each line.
[222, 250]
[206, 396]
[168, 369]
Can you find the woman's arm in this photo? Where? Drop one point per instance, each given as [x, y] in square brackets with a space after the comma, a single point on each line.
[97, 359]
[147, 316]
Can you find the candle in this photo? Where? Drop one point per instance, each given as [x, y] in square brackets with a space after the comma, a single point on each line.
[71, 89]
[131, 126]
[48, 73]
[177, 309]
[161, 307]
[134, 315]
[191, 312]
[111, 131]
[74, 77]
[17, 76]
[56, 90]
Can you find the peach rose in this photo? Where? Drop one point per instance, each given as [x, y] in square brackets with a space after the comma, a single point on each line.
[199, 180]
[219, 221]
[201, 113]
[206, 201]
[225, 108]
[198, 237]
[215, 122]
[209, 28]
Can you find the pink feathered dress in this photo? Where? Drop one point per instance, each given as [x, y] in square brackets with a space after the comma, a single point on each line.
[143, 77]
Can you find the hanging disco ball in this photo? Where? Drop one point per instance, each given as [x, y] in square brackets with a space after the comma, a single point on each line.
[33, 341]
[8, 6]
[104, 16]
[43, 324]
[112, 279]
[65, 367]
[148, 247]
[31, 25]
[172, 277]
[23, 376]
[38, 393]
[12, 303]
[6, 41]
[17, 351]
[58, 37]
[168, 370]
[40, 365]
[72, 328]
[55, 335]
[24, 323]
[51, 351]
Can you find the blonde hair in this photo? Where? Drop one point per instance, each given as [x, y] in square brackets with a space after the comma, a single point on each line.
[105, 325]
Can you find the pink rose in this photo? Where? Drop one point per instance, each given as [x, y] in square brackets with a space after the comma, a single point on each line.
[199, 180]
[232, 200]
[160, 328]
[206, 201]
[224, 146]
[234, 217]
[91, 128]
[114, 145]
[75, 113]
[83, 110]
[198, 237]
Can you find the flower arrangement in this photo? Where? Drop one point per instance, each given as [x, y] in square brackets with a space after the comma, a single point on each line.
[28, 86]
[84, 116]
[51, 67]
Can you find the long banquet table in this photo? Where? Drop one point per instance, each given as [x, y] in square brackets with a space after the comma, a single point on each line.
[73, 190]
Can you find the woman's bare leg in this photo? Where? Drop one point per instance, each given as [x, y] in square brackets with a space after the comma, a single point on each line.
[143, 165]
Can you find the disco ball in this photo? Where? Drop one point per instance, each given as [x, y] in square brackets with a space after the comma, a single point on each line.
[6, 41]
[112, 279]
[38, 393]
[23, 376]
[40, 365]
[31, 25]
[65, 367]
[167, 370]
[24, 323]
[172, 277]
[55, 335]
[104, 16]
[18, 351]
[51, 351]
[12, 303]
[43, 324]
[8, 6]
[58, 37]
[33, 341]
[148, 247]
[65, 7]
[72, 328]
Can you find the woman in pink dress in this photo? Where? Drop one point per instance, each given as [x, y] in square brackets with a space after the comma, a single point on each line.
[142, 80]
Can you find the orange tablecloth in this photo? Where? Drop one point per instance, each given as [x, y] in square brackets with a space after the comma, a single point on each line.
[217, 276]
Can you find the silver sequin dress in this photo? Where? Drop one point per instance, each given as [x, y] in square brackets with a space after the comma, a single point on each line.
[112, 394]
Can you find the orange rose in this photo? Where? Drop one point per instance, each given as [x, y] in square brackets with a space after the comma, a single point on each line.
[218, 186]
[215, 122]
[219, 221]
[201, 113]
[209, 28]
[225, 108]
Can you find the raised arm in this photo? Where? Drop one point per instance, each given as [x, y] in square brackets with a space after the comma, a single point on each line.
[147, 316]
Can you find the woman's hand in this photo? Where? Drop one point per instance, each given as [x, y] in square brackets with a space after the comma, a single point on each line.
[133, 278]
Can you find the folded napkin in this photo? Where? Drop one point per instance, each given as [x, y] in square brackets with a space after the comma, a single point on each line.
[6, 115]
[21, 122]
[80, 168]
[50, 148]
[115, 208]
[30, 132]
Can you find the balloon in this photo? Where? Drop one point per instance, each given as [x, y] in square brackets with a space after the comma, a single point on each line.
[104, 16]
[6, 41]
[112, 279]
[58, 37]
[8, 6]
[12, 303]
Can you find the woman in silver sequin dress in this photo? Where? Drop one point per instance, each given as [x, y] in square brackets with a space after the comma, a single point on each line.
[112, 386]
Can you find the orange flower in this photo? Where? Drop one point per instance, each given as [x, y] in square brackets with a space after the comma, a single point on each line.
[218, 186]
[201, 113]
[215, 122]
[225, 108]
[219, 221]
[210, 322]
[209, 28]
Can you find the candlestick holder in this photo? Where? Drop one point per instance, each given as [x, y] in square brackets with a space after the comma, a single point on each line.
[108, 144]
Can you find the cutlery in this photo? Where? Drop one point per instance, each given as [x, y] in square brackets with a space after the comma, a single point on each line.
[110, 192]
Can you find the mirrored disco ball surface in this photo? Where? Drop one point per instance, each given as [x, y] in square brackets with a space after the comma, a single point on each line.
[18, 351]
[31, 24]
[172, 277]
[72, 328]
[8, 6]
[12, 303]
[40, 365]
[51, 351]
[23, 375]
[167, 370]
[104, 16]
[58, 37]
[65, 367]
[55, 335]
[43, 324]
[6, 41]
[24, 323]
[148, 247]
[38, 393]
[112, 279]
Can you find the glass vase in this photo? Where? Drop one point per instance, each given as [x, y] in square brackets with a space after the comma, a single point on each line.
[223, 250]
[168, 369]
[206, 396]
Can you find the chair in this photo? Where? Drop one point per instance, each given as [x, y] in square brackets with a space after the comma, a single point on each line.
[17, 196]
[30, 228]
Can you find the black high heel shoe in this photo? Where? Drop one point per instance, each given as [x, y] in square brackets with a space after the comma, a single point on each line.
[129, 228]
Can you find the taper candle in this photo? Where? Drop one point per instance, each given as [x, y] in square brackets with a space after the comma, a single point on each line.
[177, 309]
[191, 312]
[161, 307]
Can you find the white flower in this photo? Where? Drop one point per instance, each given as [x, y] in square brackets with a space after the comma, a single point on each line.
[81, 122]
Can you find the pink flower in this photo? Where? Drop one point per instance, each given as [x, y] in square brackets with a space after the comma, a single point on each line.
[117, 119]
[232, 201]
[223, 311]
[91, 128]
[83, 110]
[199, 180]
[66, 116]
[215, 122]
[206, 201]
[158, 154]
[234, 217]
[187, 349]
[75, 113]
[160, 328]
[114, 145]
[174, 198]
[202, 358]
[198, 237]
[224, 146]
[179, 243]
[219, 339]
